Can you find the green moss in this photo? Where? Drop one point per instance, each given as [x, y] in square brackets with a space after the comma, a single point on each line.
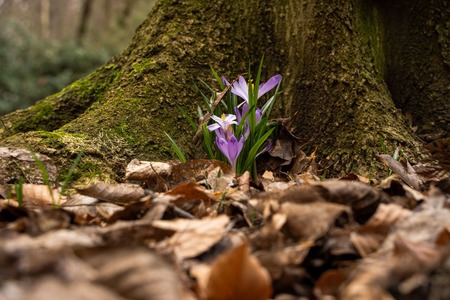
[63, 107]
[145, 66]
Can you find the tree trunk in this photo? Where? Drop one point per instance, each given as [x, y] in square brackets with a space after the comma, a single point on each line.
[346, 65]
[84, 21]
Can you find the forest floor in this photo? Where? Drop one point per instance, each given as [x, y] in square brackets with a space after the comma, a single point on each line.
[196, 231]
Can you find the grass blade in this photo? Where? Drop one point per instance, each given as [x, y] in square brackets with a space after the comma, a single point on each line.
[184, 113]
[18, 187]
[254, 150]
[70, 172]
[44, 174]
[176, 148]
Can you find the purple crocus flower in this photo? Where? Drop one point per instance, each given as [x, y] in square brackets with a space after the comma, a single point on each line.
[223, 125]
[230, 148]
[240, 87]
[241, 114]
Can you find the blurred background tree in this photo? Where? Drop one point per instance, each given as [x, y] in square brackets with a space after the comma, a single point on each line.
[47, 44]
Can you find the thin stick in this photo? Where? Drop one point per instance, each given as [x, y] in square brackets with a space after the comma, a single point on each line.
[199, 135]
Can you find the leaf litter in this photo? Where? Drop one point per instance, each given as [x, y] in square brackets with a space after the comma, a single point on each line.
[196, 231]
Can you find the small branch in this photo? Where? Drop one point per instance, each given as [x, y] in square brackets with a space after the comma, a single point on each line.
[198, 135]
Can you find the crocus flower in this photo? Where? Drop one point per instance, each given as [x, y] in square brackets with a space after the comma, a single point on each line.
[223, 125]
[240, 87]
[230, 148]
[241, 114]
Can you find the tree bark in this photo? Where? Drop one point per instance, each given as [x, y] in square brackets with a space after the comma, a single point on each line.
[84, 21]
[344, 64]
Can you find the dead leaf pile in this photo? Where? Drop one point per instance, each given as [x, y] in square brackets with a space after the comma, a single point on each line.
[194, 231]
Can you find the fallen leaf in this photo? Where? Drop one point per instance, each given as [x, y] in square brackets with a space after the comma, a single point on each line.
[423, 225]
[136, 273]
[280, 259]
[444, 237]
[329, 283]
[371, 235]
[190, 191]
[163, 176]
[309, 221]
[402, 271]
[19, 163]
[39, 194]
[121, 193]
[362, 198]
[193, 237]
[404, 170]
[88, 208]
[440, 150]
[237, 274]
[196, 170]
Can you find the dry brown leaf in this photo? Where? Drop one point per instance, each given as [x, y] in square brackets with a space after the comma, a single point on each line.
[135, 273]
[218, 181]
[244, 182]
[356, 177]
[283, 149]
[372, 234]
[270, 235]
[87, 208]
[190, 191]
[196, 170]
[193, 237]
[404, 170]
[309, 221]
[104, 273]
[329, 283]
[444, 238]
[40, 194]
[16, 163]
[163, 176]
[403, 269]
[277, 260]
[33, 220]
[147, 170]
[41, 287]
[237, 274]
[440, 150]
[272, 184]
[420, 255]
[122, 193]
[423, 225]
[362, 198]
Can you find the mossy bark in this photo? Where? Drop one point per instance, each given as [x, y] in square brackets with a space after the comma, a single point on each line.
[333, 56]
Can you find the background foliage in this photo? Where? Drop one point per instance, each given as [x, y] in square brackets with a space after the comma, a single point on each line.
[33, 68]
[36, 62]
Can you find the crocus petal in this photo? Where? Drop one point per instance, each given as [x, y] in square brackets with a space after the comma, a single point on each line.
[238, 114]
[240, 88]
[218, 120]
[231, 148]
[234, 148]
[213, 127]
[220, 133]
[268, 147]
[244, 109]
[258, 115]
[268, 85]
[230, 119]
[223, 146]
[246, 130]
[225, 81]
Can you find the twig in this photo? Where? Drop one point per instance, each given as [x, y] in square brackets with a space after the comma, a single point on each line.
[199, 135]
